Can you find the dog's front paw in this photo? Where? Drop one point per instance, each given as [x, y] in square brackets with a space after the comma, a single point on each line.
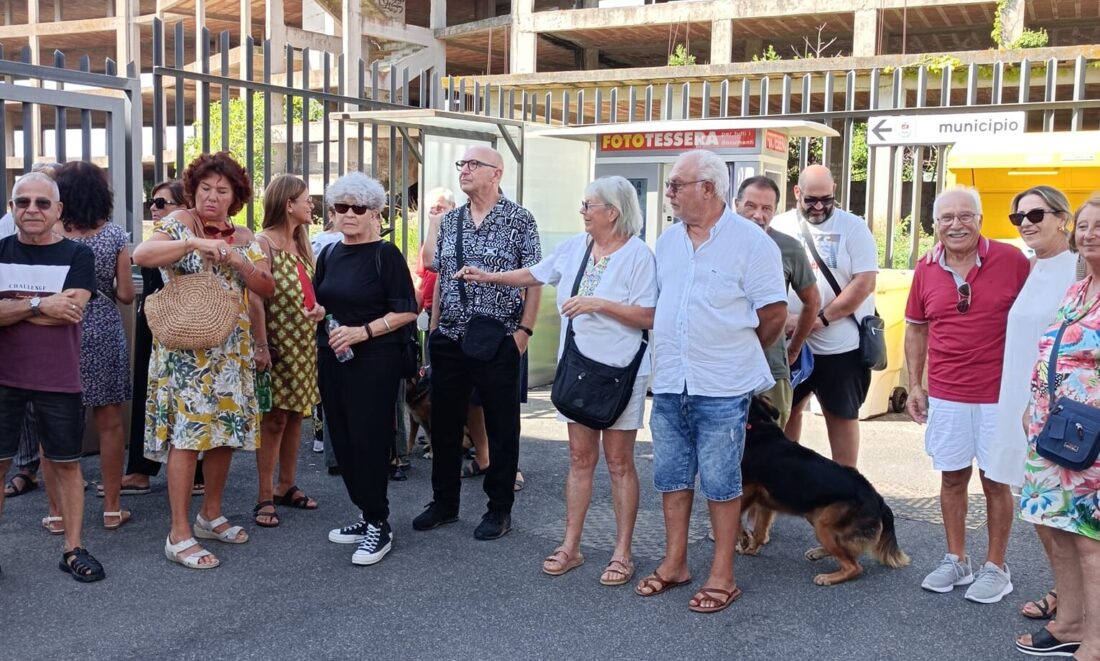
[824, 579]
[815, 554]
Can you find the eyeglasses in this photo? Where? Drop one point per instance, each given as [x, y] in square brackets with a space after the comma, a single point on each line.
[586, 205]
[40, 203]
[160, 203]
[677, 185]
[473, 164]
[1035, 216]
[964, 298]
[826, 201]
[213, 230]
[964, 218]
[357, 209]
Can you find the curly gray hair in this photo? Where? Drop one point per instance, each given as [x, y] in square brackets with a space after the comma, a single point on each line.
[356, 188]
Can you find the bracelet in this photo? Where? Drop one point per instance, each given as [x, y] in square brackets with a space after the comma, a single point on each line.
[821, 316]
[525, 330]
[387, 322]
[261, 346]
[370, 333]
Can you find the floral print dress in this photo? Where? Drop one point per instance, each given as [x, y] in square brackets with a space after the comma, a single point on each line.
[1052, 495]
[206, 398]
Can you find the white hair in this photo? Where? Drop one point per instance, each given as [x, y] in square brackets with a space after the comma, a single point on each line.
[969, 192]
[37, 176]
[356, 188]
[710, 168]
[620, 194]
[440, 193]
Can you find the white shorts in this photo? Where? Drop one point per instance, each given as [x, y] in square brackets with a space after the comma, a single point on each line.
[958, 432]
[633, 416]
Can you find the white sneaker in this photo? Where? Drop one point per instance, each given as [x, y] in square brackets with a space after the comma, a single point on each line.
[353, 533]
[950, 573]
[991, 584]
[318, 445]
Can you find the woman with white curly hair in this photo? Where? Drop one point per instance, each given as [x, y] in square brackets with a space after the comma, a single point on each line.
[364, 284]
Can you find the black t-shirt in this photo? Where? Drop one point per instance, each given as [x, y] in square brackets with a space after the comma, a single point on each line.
[42, 358]
[360, 283]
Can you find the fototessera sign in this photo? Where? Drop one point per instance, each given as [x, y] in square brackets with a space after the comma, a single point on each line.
[941, 129]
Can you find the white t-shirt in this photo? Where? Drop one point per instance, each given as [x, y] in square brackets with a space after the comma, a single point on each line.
[7, 225]
[630, 278]
[848, 248]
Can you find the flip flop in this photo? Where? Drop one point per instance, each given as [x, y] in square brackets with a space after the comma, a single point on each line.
[1044, 606]
[570, 563]
[11, 489]
[723, 597]
[519, 484]
[624, 569]
[657, 584]
[296, 498]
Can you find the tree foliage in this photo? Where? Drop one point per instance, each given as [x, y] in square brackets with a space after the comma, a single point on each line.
[680, 57]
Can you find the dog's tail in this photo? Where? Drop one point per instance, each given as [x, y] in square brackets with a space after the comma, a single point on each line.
[886, 550]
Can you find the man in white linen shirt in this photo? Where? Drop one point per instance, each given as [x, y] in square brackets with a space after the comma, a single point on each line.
[720, 301]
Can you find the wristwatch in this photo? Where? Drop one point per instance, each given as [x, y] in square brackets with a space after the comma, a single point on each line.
[821, 316]
[36, 302]
[525, 330]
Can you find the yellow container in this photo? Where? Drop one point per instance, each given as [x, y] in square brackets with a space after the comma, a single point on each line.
[887, 387]
[1000, 169]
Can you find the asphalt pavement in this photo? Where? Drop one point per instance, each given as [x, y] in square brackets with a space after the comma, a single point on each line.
[290, 594]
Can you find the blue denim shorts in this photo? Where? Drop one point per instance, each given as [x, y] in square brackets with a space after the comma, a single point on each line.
[696, 434]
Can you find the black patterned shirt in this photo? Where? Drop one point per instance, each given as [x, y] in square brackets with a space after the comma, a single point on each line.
[508, 239]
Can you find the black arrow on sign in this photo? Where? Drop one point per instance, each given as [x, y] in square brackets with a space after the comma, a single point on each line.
[878, 130]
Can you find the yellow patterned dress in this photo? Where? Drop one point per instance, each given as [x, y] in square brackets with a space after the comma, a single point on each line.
[292, 337]
[206, 398]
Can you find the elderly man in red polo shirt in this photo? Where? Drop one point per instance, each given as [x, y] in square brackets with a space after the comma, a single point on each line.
[956, 318]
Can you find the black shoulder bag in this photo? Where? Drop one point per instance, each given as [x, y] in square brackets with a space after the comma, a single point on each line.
[1071, 435]
[872, 330]
[483, 333]
[588, 391]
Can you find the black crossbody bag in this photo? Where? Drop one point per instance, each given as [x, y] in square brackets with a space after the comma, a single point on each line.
[588, 391]
[872, 330]
[483, 333]
[1071, 435]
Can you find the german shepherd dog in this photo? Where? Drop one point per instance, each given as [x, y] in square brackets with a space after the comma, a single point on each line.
[849, 517]
[418, 402]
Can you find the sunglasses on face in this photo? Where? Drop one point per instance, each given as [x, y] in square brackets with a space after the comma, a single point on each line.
[160, 203]
[811, 202]
[40, 203]
[964, 298]
[210, 230]
[1035, 216]
[357, 209]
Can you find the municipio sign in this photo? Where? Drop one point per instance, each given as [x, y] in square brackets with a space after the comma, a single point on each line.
[883, 130]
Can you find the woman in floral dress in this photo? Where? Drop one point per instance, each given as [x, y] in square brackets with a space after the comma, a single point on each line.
[286, 345]
[104, 355]
[1062, 499]
[204, 400]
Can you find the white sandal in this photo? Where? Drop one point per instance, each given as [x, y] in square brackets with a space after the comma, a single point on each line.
[205, 530]
[48, 521]
[172, 552]
[123, 517]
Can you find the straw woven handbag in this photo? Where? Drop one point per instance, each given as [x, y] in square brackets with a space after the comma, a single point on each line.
[193, 311]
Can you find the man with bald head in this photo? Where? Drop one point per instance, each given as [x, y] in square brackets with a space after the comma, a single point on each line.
[479, 332]
[45, 282]
[841, 242]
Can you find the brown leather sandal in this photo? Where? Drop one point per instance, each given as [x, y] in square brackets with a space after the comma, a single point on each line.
[656, 584]
[723, 598]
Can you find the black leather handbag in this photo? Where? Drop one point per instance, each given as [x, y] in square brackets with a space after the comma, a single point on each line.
[483, 333]
[1071, 435]
[872, 329]
[587, 391]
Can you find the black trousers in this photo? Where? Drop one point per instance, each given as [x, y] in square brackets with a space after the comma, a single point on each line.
[359, 398]
[454, 375]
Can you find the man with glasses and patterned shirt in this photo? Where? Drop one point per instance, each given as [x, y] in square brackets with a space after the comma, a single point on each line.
[841, 241]
[479, 331]
[956, 319]
[45, 282]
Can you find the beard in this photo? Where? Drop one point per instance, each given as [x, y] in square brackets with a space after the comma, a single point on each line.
[826, 214]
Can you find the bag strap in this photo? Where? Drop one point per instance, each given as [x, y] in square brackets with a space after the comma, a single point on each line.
[1052, 361]
[577, 287]
[459, 259]
[822, 266]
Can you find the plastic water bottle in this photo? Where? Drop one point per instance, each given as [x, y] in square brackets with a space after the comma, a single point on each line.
[346, 354]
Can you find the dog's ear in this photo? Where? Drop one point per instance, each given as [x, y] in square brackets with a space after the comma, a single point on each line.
[761, 410]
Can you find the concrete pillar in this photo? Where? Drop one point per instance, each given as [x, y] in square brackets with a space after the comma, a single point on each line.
[438, 17]
[721, 41]
[36, 110]
[246, 20]
[865, 33]
[524, 41]
[753, 46]
[591, 59]
[275, 31]
[200, 21]
[1012, 20]
[351, 33]
[127, 35]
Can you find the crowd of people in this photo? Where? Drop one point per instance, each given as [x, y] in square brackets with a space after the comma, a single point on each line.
[734, 312]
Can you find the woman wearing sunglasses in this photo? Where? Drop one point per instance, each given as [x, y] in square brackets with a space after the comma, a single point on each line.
[203, 400]
[365, 286]
[1041, 215]
[285, 335]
